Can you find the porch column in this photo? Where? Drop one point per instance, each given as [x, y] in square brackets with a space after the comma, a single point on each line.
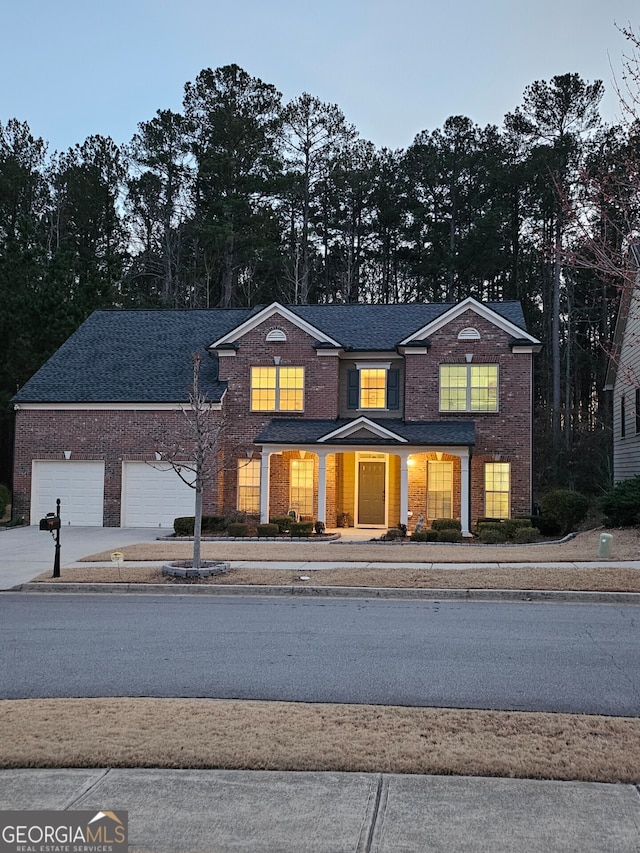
[404, 489]
[464, 494]
[322, 487]
[264, 486]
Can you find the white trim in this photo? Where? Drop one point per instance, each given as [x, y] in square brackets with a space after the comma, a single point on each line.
[266, 314]
[354, 426]
[470, 304]
[373, 365]
[110, 407]
[519, 348]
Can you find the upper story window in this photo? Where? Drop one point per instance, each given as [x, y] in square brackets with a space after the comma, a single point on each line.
[277, 389]
[373, 387]
[468, 387]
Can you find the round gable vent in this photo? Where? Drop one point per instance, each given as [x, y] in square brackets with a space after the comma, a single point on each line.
[469, 334]
[276, 336]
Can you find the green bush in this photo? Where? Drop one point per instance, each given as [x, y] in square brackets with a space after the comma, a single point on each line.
[525, 535]
[432, 535]
[301, 528]
[565, 508]
[445, 524]
[283, 521]
[5, 497]
[238, 528]
[621, 504]
[448, 534]
[268, 530]
[492, 532]
[511, 525]
[183, 526]
[394, 533]
[419, 536]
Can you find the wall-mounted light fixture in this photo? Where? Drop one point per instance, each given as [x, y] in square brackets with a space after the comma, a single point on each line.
[67, 454]
[468, 357]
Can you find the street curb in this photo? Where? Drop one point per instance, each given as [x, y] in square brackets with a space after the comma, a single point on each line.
[517, 595]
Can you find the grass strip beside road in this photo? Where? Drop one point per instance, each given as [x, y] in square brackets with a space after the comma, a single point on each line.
[208, 733]
[595, 580]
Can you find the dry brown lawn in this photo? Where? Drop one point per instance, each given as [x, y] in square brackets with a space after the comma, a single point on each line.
[565, 576]
[584, 546]
[205, 733]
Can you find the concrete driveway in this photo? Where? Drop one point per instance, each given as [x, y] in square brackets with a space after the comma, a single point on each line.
[28, 551]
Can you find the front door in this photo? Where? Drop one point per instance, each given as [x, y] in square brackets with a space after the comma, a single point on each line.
[371, 493]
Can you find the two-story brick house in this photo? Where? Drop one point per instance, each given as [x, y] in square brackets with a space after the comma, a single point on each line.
[368, 415]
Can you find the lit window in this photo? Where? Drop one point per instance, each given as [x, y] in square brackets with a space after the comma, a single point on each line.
[249, 485]
[373, 388]
[497, 480]
[468, 387]
[277, 389]
[301, 486]
[439, 487]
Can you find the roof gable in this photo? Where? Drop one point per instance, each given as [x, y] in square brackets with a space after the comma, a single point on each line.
[359, 426]
[482, 310]
[266, 314]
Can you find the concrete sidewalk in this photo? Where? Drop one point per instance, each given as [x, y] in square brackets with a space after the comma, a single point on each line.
[273, 812]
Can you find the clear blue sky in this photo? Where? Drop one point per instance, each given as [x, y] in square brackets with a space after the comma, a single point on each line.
[71, 68]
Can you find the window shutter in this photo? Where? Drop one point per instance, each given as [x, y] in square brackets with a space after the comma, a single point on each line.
[353, 389]
[393, 389]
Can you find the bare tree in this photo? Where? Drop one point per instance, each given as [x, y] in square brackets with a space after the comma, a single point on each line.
[195, 459]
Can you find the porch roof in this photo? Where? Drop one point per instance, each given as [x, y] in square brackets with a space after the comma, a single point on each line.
[300, 431]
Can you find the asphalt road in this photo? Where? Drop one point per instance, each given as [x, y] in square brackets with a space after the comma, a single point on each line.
[547, 657]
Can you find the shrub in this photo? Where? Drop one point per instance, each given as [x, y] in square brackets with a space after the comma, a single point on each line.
[419, 536]
[394, 533]
[301, 528]
[445, 524]
[524, 535]
[432, 535]
[511, 526]
[565, 508]
[621, 504]
[237, 528]
[5, 497]
[268, 530]
[448, 534]
[283, 522]
[183, 526]
[492, 532]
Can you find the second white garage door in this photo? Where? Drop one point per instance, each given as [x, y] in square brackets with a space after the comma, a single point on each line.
[153, 495]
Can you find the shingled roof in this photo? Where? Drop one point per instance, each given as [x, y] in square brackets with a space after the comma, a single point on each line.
[145, 355]
[302, 431]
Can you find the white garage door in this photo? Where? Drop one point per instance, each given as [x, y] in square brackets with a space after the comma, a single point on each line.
[153, 495]
[79, 485]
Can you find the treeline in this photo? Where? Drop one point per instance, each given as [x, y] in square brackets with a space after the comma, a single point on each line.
[241, 199]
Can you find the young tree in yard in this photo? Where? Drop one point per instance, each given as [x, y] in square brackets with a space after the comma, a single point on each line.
[194, 456]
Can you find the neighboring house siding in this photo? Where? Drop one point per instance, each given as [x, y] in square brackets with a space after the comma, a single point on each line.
[626, 450]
